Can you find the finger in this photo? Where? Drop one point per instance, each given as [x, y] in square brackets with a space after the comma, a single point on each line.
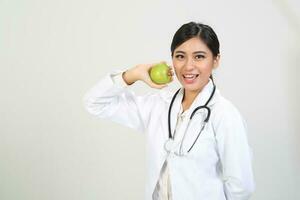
[170, 73]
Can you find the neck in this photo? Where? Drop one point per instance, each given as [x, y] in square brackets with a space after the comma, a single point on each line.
[188, 98]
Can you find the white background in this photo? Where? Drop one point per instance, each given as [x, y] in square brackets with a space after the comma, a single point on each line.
[52, 52]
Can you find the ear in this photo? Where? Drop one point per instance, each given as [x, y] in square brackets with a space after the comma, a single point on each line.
[216, 61]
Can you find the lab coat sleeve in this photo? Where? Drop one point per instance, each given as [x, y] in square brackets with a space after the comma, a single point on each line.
[110, 98]
[235, 155]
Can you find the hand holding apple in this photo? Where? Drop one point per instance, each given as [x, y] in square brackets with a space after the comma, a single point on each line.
[142, 72]
[159, 73]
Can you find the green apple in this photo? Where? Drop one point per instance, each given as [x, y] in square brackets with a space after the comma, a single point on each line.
[159, 73]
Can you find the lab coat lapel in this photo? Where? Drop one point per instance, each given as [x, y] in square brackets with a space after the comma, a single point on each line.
[198, 118]
[175, 110]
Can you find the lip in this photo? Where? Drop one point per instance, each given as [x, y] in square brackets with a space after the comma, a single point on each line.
[189, 81]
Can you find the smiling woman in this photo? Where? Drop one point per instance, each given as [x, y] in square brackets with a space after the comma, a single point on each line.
[193, 68]
[197, 145]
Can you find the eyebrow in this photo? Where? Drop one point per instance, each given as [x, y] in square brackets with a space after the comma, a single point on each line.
[193, 52]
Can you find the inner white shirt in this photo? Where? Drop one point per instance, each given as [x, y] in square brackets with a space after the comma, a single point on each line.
[163, 190]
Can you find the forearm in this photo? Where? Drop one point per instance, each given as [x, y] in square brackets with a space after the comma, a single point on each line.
[130, 76]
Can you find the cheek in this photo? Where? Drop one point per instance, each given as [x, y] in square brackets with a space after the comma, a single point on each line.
[176, 71]
[176, 67]
[210, 62]
[206, 67]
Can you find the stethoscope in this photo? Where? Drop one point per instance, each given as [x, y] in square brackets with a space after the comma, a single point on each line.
[170, 145]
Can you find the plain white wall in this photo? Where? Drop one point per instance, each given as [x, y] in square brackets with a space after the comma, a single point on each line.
[52, 52]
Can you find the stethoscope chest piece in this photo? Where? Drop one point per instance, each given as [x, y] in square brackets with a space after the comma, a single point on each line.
[170, 145]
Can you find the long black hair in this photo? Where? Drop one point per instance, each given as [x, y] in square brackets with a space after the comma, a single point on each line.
[199, 30]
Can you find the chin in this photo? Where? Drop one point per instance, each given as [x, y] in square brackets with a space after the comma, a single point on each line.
[194, 84]
[196, 87]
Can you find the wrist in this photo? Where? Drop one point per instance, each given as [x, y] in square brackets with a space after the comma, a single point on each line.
[129, 77]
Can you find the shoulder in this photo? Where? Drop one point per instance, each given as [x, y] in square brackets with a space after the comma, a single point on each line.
[223, 105]
[225, 111]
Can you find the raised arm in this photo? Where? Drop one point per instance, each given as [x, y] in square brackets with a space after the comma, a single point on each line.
[111, 99]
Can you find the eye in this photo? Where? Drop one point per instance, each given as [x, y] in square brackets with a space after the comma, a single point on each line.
[199, 56]
[179, 56]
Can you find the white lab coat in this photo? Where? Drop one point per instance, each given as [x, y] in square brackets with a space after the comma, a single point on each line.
[219, 167]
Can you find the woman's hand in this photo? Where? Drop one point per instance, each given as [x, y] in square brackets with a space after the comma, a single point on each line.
[141, 72]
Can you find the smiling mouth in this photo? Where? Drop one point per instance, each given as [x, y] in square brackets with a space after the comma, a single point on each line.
[190, 76]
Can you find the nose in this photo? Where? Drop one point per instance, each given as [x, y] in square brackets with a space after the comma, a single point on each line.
[189, 64]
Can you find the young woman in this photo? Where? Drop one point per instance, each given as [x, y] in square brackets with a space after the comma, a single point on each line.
[197, 146]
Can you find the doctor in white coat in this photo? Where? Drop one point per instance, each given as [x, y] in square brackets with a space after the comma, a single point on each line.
[206, 157]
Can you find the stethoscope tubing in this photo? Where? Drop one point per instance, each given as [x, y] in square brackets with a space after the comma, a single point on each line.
[205, 106]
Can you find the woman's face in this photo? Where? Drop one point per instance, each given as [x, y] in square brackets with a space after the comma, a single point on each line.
[193, 63]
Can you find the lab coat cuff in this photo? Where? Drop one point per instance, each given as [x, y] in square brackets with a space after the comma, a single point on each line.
[118, 79]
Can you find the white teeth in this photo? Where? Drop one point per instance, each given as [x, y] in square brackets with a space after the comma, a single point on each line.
[190, 76]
